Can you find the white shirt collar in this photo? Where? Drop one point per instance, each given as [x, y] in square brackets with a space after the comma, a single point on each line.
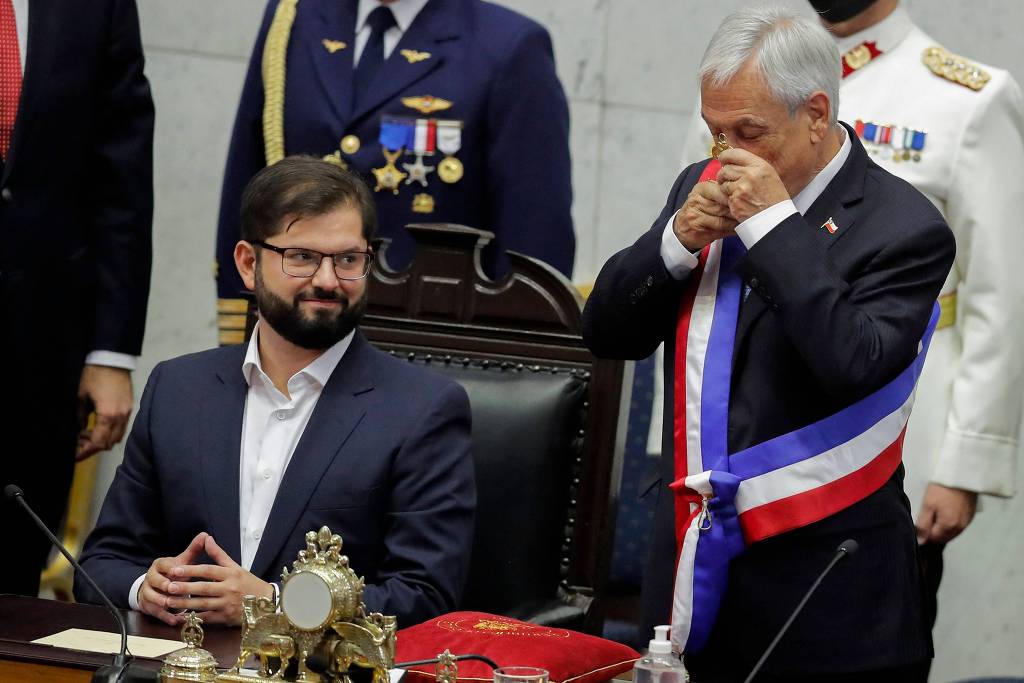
[319, 371]
[886, 34]
[807, 196]
[405, 12]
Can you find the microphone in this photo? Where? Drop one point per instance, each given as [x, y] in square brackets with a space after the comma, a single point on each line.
[120, 670]
[847, 547]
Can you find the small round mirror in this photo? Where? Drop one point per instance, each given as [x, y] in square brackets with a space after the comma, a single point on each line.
[306, 600]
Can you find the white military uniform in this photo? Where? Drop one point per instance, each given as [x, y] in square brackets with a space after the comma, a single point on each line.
[966, 421]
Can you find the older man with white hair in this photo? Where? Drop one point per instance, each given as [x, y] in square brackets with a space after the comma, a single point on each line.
[793, 282]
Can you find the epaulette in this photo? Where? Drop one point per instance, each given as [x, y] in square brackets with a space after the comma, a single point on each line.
[955, 68]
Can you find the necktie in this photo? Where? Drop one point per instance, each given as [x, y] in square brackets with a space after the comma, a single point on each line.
[10, 74]
[379, 21]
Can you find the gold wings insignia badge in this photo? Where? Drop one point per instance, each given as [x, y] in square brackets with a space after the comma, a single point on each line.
[426, 104]
[415, 55]
[333, 45]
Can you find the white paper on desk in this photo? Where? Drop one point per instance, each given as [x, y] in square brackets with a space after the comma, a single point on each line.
[105, 642]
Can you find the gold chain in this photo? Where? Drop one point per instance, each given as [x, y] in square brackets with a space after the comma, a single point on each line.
[275, 49]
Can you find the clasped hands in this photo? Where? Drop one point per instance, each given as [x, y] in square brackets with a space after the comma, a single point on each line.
[214, 591]
[746, 185]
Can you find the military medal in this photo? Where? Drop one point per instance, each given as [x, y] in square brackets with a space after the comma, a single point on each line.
[417, 171]
[423, 203]
[897, 143]
[449, 141]
[388, 176]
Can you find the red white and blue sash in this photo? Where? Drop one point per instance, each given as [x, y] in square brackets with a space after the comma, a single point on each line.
[725, 502]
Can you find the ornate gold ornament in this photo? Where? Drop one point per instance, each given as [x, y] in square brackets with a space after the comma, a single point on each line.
[321, 614]
[190, 663]
[955, 68]
[333, 46]
[388, 176]
[414, 56]
[721, 144]
[427, 104]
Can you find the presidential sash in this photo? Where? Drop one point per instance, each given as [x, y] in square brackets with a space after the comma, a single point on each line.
[726, 502]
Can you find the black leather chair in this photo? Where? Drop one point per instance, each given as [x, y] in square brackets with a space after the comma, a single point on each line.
[548, 431]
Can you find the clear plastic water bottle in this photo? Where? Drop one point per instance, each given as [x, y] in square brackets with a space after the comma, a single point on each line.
[659, 665]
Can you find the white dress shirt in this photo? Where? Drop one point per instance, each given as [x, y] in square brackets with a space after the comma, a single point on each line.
[405, 12]
[680, 261]
[272, 425]
[109, 358]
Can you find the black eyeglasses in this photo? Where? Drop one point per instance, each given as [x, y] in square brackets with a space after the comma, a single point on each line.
[299, 262]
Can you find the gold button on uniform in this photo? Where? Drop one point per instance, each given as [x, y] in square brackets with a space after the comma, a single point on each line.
[350, 144]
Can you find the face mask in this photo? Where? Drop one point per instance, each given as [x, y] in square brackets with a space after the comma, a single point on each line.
[835, 11]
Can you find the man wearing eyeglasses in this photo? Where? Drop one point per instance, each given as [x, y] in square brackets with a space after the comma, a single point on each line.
[237, 452]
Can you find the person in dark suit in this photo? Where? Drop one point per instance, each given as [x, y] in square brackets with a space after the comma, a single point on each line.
[841, 268]
[237, 452]
[450, 109]
[76, 209]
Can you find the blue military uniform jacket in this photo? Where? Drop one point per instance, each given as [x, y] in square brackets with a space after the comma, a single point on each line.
[495, 68]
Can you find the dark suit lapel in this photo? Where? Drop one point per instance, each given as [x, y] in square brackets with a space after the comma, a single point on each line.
[337, 413]
[220, 447]
[429, 33]
[331, 25]
[42, 32]
[846, 189]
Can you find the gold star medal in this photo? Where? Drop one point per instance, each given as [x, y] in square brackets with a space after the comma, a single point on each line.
[449, 141]
[388, 176]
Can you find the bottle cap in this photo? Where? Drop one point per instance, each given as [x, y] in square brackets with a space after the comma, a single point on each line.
[660, 644]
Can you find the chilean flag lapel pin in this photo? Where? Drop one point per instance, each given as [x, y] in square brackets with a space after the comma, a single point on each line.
[830, 225]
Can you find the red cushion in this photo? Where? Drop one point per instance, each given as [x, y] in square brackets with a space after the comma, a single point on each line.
[567, 655]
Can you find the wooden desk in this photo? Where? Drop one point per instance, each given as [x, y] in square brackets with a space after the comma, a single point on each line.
[23, 620]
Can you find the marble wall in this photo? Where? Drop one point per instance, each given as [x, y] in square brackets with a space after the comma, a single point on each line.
[627, 66]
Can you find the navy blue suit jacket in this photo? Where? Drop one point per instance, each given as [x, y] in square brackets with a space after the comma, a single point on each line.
[829, 319]
[494, 65]
[384, 461]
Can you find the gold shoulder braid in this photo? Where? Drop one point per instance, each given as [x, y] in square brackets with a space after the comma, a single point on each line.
[955, 68]
[275, 48]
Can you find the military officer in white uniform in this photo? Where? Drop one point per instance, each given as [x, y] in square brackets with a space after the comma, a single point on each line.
[955, 130]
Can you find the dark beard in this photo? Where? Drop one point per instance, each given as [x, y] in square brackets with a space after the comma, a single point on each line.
[322, 331]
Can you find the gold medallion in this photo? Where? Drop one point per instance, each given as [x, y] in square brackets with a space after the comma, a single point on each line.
[388, 176]
[721, 144]
[423, 203]
[450, 170]
[350, 144]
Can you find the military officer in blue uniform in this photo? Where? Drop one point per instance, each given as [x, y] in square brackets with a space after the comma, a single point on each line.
[450, 109]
